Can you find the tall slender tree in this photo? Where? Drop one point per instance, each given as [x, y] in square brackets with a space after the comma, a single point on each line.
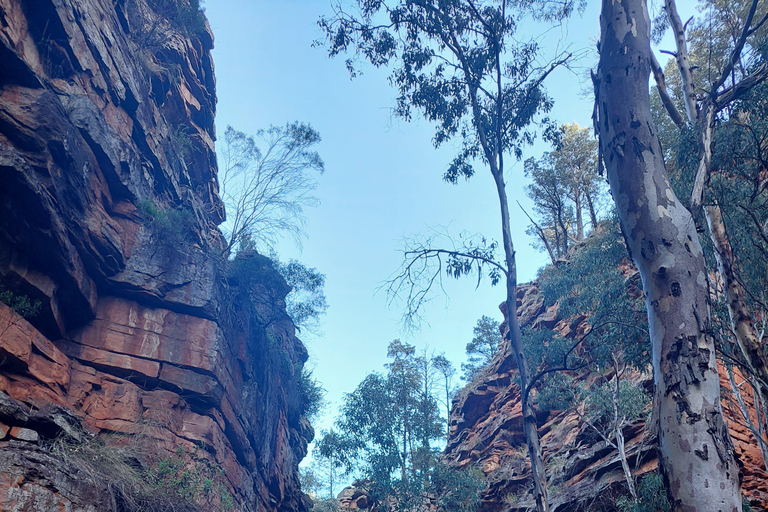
[446, 370]
[458, 62]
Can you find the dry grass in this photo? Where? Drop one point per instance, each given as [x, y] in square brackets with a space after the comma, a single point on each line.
[134, 477]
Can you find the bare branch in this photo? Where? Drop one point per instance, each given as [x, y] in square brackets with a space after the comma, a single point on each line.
[424, 265]
[666, 100]
[736, 52]
[542, 236]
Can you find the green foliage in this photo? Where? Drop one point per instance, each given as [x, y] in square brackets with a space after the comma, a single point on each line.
[445, 369]
[186, 15]
[172, 226]
[482, 348]
[385, 431]
[630, 404]
[306, 301]
[279, 290]
[19, 304]
[189, 478]
[131, 475]
[311, 395]
[652, 497]
[593, 285]
[326, 505]
[183, 143]
[456, 490]
[441, 54]
[153, 23]
[564, 186]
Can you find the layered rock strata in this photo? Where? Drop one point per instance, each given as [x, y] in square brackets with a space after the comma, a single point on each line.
[108, 215]
[583, 471]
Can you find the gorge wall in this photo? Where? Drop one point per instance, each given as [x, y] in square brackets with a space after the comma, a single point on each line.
[108, 219]
[583, 472]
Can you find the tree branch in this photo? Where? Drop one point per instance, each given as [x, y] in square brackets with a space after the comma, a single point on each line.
[666, 100]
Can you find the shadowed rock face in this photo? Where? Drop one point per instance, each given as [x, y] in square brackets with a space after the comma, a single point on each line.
[108, 215]
[583, 472]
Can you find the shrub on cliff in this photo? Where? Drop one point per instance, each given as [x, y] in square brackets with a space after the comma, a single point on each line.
[149, 21]
[135, 478]
[266, 180]
[310, 395]
[171, 225]
[651, 496]
[20, 304]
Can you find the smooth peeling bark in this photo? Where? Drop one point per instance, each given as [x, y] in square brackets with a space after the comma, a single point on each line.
[695, 450]
[739, 312]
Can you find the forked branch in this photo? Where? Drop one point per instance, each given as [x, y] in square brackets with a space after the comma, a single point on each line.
[420, 276]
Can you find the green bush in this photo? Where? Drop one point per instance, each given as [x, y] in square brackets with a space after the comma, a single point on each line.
[183, 143]
[172, 225]
[311, 394]
[651, 496]
[20, 304]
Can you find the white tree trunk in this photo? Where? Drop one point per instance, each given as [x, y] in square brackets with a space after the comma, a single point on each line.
[696, 453]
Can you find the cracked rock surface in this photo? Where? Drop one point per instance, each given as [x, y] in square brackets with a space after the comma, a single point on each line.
[103, 124]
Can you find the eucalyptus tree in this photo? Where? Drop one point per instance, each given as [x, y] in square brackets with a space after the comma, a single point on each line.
[445, 368]
[564, 185]
[266, 180]
[482, 348]
[462, 65]
[386, 428]
[694, 444]
[721, 62]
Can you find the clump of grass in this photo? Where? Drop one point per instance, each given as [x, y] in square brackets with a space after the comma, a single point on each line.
[128, 472]
[170, 224]
[651, 496]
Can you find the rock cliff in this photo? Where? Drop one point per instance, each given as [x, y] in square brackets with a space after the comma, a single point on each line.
[108, 215]
[583, 472]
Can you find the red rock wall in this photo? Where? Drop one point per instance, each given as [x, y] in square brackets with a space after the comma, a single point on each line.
[583, 472]
[138, 328]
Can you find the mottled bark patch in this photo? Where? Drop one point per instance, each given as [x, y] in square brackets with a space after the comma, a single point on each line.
[687, 363]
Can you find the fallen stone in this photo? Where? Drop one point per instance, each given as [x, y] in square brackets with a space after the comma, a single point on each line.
[24, 434]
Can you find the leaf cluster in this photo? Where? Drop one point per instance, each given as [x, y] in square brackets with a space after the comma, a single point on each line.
[306, 301]
[385, 432]
[19, 304]
[455, 63]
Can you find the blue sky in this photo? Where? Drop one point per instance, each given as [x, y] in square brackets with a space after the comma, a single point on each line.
[382, 181]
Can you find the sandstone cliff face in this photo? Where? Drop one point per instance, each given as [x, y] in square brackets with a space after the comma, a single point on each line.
[108, 215]
[583, 472]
